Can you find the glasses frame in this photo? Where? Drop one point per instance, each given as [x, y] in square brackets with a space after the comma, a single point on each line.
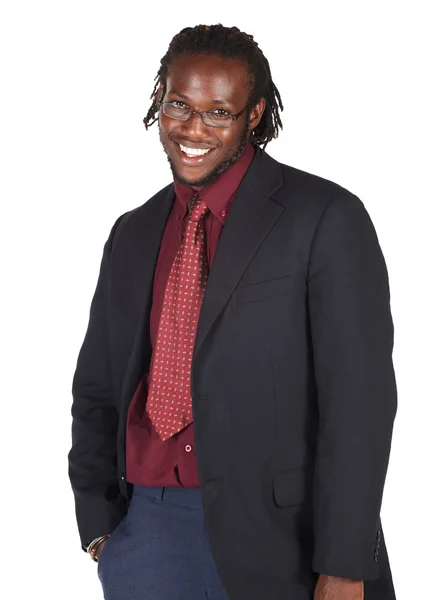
[234, 117]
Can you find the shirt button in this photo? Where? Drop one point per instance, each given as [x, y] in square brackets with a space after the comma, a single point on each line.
[177, 217]
[223, 213]
[188, 448]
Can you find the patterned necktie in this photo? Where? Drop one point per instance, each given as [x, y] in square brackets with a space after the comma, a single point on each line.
[169, 402]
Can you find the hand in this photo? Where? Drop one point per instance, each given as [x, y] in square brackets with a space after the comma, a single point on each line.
[100, 549]
[337, 588]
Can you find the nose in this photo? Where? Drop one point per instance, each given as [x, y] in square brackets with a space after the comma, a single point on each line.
[194, 127]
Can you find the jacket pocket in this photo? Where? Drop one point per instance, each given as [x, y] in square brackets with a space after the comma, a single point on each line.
[293, 487]
[264, 289]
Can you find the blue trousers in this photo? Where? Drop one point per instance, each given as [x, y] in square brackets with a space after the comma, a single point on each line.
[160, 550]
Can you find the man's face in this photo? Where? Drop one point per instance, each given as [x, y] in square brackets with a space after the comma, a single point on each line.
[206, 83]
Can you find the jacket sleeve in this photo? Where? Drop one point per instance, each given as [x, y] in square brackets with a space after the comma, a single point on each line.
[99, 506]
[352, 337]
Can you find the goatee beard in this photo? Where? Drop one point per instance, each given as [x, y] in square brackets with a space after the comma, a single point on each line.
[219, 169]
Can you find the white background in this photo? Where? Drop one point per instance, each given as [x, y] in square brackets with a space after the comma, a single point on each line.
[76, 80]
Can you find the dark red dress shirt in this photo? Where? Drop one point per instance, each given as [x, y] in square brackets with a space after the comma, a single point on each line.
[149, 460]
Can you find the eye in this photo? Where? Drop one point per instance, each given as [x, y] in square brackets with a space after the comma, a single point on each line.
[178, 104]
[222, 113]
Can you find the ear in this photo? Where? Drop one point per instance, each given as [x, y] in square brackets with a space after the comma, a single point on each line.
[256, 114]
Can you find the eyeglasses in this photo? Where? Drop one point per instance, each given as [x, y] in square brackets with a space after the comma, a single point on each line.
[182, 112]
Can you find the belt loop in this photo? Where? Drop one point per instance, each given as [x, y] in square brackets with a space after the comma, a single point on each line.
[162, 493]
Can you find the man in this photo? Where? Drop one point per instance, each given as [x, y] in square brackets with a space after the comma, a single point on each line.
[234, 395]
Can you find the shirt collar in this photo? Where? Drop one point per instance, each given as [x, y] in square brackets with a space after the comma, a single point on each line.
[218, 194]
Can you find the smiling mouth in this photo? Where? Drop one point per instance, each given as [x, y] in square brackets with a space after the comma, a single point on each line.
[193, 156]
[194, 151]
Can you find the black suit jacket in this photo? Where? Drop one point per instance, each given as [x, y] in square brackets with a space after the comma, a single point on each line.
[293, 386]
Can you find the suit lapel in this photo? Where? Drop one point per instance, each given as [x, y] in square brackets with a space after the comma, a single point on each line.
[251, 217]
[145, 248]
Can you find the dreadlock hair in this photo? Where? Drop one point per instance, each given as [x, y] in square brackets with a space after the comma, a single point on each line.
[227, 42]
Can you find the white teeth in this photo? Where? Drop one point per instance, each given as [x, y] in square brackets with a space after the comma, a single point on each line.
[194, 151]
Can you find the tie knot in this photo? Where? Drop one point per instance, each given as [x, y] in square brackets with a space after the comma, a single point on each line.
[197, 208]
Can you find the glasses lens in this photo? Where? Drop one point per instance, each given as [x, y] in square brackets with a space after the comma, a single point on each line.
[216, 120]
[176, 112]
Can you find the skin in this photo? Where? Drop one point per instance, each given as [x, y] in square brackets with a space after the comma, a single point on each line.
[337, 588]
[202, 79]
[197, 81]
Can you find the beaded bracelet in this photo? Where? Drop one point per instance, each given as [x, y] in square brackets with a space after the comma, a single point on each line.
[93, 546]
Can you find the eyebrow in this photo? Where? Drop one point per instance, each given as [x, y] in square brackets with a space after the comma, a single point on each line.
[216, 101]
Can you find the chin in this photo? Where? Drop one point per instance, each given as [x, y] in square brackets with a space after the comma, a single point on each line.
[194, 174]
[189, 176]
[194, 180]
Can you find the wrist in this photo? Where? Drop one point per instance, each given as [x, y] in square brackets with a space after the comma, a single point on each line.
[94, 545]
